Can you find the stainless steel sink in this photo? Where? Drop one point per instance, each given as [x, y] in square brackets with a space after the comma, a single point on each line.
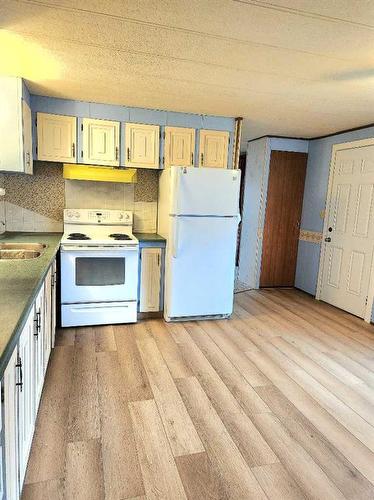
[21, 251]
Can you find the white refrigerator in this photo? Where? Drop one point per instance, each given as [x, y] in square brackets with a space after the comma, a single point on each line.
[199, 216]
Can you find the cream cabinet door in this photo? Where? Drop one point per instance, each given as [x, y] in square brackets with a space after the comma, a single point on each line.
[150, 279]
[47, 337]
[53, 303]
[39, 347]
[179, 146]
[100, 142]
[27, 137]
[213, 150]
[11, 378]
[57, 138]
[26, 416]
[142, 145]
[15, 127]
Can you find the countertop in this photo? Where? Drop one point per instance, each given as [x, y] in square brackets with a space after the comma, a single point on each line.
[20, 281]
[142, 237]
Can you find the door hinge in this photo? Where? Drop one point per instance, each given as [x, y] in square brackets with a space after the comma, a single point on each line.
[2, 394]
[36, 122]
[82, 127]
[82, 153]
[36, 150]
[163, 160]
[164, 135]
[366, 300]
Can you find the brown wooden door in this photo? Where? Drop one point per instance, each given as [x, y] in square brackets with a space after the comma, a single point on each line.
[282, 218]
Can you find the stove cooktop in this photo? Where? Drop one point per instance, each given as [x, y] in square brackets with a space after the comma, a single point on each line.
[120, 236]
[78, 236]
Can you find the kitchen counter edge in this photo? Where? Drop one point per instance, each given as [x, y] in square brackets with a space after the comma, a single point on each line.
[49, 255]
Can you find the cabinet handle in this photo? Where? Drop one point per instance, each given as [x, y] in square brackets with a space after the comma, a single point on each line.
[73, 149]
[117, 153]
[128, 154]
[202, 159]
[37, 321]
[19, 365]
[192, 159]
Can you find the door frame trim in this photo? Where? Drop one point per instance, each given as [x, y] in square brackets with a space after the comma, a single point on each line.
[370, 293]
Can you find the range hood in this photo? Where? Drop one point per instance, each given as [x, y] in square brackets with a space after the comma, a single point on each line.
[82, 172]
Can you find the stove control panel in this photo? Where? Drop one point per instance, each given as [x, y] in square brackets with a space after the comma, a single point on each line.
[97, 216]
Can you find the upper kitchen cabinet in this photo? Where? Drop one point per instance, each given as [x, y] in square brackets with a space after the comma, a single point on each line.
[142, 145]
[101, 142]
[213, 150]
[57, 138]
[15, 127]
[179, 146]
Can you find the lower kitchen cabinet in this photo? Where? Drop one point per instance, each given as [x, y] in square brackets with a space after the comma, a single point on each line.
[11, 461]
[26, 380]
[151, 277]
[39, 307]
[150, 280]
[22, 386]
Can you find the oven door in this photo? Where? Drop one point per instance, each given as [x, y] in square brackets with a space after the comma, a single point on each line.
[99, 275]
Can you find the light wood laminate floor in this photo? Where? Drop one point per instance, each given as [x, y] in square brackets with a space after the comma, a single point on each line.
[277, 402]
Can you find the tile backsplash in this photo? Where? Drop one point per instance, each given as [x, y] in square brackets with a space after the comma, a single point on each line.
[36, 202]
[93, 194]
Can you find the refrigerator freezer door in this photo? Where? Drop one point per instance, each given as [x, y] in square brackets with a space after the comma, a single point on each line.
[200, 267]
[204, 191]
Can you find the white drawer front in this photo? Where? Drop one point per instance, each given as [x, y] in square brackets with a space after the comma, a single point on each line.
[98, 314]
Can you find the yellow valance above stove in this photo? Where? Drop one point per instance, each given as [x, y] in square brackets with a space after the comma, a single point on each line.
[103, 174]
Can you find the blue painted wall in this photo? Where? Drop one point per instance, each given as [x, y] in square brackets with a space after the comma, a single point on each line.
[125, 114]
[316, 184]
[255, 199]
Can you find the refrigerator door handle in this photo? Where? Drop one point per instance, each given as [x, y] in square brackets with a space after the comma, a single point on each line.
[175, 189]
[175, 239]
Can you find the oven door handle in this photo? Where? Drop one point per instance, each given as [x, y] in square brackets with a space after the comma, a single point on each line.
[100, 249]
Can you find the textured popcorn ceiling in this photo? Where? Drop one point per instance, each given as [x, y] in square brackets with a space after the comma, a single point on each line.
[298, 68]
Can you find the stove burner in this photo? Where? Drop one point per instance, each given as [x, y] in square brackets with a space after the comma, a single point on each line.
[120, 236]
[78, 236]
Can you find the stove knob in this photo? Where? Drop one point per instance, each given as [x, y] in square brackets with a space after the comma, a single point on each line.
[120, 216]
[127, 216]
[70, 214]
[77, 215]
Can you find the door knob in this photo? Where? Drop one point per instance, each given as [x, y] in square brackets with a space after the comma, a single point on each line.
[328, 239]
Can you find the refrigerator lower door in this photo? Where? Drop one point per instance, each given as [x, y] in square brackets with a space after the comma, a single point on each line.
[204, 191]
[200, 268]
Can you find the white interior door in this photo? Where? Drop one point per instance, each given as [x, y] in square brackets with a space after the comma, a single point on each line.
[201, 266]
[348, 242]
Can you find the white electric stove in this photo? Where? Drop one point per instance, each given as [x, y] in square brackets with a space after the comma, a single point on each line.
[99, 268]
